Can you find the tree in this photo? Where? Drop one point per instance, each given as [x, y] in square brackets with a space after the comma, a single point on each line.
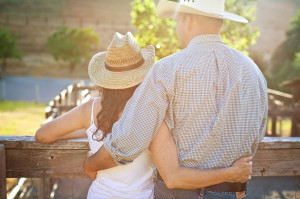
[8, 47]
[285, 60]
[73, 45]
[239, 35]
[161, 33]
[153, 30]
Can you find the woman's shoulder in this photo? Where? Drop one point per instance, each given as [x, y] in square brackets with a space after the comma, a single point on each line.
[93, 102]
[96, 105]
[92, 106]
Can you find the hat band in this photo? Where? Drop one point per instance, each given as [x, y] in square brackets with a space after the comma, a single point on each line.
[125, 68]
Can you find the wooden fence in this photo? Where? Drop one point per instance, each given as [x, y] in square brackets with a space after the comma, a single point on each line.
[69, 98]
[25, 157]
[281, 106]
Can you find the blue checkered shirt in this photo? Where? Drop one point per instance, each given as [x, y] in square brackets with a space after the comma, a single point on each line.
[213, 99]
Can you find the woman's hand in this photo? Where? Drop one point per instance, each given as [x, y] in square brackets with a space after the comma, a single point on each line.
[241, 169]
[87, 168]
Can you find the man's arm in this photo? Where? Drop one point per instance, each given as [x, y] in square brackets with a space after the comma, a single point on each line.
[141, 119]
[164, 153]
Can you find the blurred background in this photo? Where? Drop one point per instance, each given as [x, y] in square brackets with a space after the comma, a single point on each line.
[45, 48]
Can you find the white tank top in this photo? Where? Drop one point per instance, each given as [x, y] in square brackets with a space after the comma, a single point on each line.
[135, 180]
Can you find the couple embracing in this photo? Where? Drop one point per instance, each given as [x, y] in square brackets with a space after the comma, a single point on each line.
[184, 127]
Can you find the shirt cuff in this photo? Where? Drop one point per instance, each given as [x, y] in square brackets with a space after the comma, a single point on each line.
[119, 160]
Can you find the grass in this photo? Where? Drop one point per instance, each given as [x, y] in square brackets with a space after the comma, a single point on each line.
[21, 118]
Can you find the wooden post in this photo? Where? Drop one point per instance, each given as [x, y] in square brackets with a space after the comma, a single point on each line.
[70, 90]
[294, 127]
[75, 90]
[296, 121]
[274, 121]
[2, 172]
[280, 127]
[40, 186]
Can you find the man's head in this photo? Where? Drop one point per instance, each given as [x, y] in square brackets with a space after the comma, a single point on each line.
[190, 25]
[196, 17]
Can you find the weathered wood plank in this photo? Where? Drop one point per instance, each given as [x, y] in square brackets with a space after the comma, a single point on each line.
[68, 163]
[280, 143]
[277, 162]
[283, 113]
[45, 174]
[2, 172]
[280, 94]
[45, 163]
[28, 142]
[28, 158]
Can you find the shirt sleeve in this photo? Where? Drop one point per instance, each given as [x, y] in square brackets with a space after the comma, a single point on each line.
[142, 116]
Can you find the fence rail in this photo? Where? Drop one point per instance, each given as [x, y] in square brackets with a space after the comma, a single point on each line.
[26, 157]
[22, 156]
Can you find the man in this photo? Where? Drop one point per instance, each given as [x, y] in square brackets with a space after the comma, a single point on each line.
[212, 97]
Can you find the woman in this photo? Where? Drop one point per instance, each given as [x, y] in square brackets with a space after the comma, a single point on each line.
[117, 73]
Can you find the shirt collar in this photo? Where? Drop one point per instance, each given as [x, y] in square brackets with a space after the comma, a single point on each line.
[206, 38]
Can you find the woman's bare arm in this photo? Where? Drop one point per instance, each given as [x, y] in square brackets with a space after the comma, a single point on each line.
[66, 124]
[164, 154]
[75, 134]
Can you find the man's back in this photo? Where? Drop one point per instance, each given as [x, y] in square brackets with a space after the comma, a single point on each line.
[217, 111]
[213, 98]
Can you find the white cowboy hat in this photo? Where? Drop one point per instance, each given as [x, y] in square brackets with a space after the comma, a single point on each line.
[123, 65]
[209, 8]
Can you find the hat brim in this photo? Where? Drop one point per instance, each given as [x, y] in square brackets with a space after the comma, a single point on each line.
[168, 9]
[120, 80]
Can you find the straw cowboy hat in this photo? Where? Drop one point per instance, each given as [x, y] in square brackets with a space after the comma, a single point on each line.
[209, 8]
[123, 65]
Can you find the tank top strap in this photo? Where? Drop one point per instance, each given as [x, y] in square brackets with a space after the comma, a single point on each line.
[92, 114]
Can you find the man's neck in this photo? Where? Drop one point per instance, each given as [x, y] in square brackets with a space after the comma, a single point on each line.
[195, 34]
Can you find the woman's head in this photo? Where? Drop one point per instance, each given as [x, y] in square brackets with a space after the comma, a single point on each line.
[123, 65]
[117, 73]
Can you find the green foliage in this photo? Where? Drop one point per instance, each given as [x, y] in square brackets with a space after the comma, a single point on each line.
[286, 58]
[8, 47]
[239, 35]
[288, 71]
[153, 30]
[161, 33]
[73, 45]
